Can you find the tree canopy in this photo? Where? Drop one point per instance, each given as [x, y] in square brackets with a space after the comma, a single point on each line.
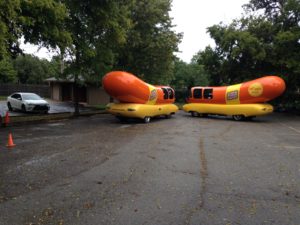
[151, 43]
[39, 22]
[265, 41]
[95, 36]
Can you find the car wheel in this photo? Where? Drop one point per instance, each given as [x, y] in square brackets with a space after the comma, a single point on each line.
[9, 106]
[147, 119]
[23, 108]
[238, 117]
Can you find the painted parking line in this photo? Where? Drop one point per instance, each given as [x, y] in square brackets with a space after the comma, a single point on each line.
[291, 128]
[283, 146]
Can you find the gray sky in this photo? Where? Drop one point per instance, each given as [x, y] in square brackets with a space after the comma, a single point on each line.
[192, 17]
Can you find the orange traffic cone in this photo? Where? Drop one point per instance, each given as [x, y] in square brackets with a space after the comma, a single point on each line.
[10, 142]
[7, 120]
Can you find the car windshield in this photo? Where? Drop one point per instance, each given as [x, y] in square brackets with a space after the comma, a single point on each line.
[29, 96]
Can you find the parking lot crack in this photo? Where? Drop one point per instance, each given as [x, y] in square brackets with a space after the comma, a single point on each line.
[203, 177]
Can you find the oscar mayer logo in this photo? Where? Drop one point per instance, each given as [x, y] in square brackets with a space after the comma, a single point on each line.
[255, 89]
[232, 95]
[153, 95]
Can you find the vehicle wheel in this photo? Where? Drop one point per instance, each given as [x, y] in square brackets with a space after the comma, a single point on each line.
[249, 118]
[204, 115]
[194, 114]
[9, 106]
[168, 116]
[46, 112]
[23, 108]
[147, 119]
[238, 117]
[121, 118]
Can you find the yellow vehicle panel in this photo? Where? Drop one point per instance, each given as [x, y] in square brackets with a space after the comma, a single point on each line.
[133, 110]
[246, 110]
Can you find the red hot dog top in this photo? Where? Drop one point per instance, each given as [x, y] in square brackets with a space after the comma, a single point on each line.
[128, 88]
[256, 91]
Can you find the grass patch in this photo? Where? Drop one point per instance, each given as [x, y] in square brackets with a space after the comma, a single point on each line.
[100, 107]
[3, 98]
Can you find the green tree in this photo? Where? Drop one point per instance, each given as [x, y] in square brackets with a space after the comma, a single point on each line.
[187, 75]
[256, 45]
[284, 44]
[97, 27]
[32, 70]
[7, 72]
[149, 49]
[40, 22]
[9, 33]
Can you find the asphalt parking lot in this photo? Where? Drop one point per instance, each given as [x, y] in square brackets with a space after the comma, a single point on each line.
[183, 170]
[55, 107]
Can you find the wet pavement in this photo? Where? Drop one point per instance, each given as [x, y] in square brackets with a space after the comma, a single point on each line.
[183, 170]
[55, 107]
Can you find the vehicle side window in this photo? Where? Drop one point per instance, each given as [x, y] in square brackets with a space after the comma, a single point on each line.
[197, 93]
[165, 93]
[171, 93]
[17, 96]
[208, 93]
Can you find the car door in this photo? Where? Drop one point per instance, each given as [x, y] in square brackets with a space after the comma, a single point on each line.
[16, 102]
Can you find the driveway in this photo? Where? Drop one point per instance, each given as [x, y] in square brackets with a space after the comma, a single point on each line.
[55, 107]
[181, 171]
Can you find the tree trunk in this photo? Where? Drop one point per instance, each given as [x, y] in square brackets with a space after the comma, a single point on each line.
[75, 85]
[75, 93]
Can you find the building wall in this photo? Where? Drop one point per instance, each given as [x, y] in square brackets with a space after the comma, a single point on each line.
[55, 92]
[97, 96]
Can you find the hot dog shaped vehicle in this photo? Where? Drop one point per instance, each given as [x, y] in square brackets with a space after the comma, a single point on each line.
[137, 99]
[245, 100]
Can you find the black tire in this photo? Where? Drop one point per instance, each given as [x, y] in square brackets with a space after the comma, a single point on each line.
[238, 117]
[195, 114]
[121, 119]
[249, 118]
[203, 115]
[9, 107]
[168, 116]
[23, 108]
[147, 119]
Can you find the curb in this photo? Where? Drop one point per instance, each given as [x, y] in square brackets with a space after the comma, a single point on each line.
[31, 119]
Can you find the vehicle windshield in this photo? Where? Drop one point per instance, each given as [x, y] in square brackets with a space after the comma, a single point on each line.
[29, 96]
